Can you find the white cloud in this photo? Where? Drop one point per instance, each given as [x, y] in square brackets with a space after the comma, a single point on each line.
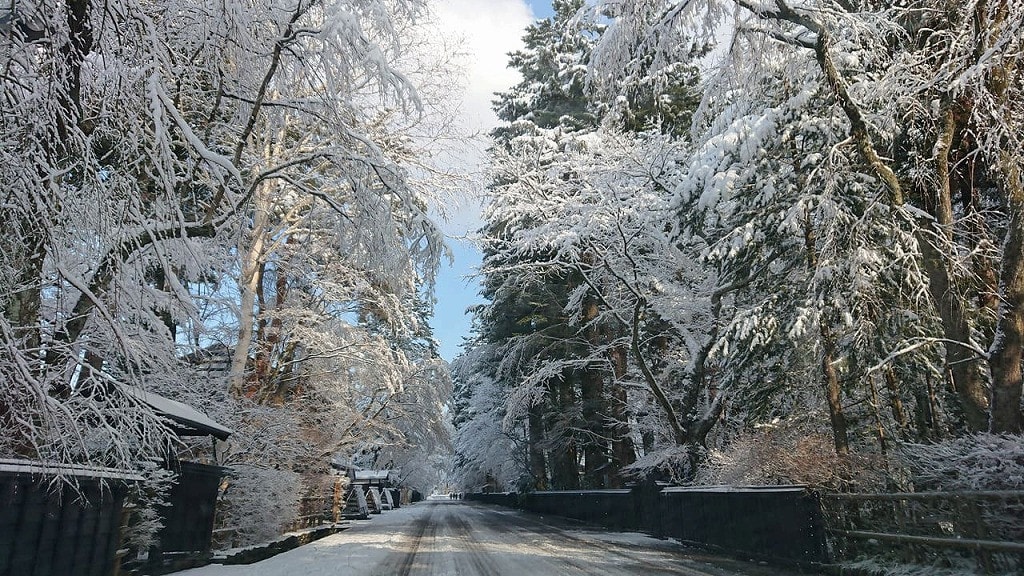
[484, 32]
[488, 31]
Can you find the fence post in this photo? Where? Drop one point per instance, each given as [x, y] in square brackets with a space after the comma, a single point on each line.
[969, 511]
[122, 531]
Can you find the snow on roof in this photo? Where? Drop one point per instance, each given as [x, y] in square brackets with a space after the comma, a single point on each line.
[181, 413]
[372, 474]
[584, 492]
[36, 467]
[734, 489]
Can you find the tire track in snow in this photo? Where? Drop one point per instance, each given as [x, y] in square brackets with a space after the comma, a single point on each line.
[401, 562]
[479, 557]
[672, 563]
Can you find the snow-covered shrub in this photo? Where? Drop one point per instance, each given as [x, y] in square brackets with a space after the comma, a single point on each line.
[975, 462]
[786, 455]
[259, 502]
[958, 470]
[146, 500]
[979, 462]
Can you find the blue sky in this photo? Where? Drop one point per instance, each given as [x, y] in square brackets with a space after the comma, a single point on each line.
[541, 8]
[490, 39]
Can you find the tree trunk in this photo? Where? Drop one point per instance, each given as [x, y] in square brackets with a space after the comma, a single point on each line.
[876, 412]
[564, 466]
[248, 284]
[1006, 352]
[1008, 345]
[963, 362]
[623, 451]
[534, 445]
[924, 417]
[595, 451]
[833, 394]
[899, 415]
[563, 454]
[594, 409]
[273, 359]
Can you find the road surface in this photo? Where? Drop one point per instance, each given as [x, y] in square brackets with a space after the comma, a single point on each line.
[458, 538]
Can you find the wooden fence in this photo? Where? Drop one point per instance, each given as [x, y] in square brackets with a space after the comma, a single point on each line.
[950, 529]
[779, 523]
[191, 505]
[50, 527]
[317, 510]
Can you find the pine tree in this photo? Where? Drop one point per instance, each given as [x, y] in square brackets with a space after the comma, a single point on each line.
[547, 110]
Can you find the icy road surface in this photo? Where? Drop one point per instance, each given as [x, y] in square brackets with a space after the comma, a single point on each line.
[458, 538]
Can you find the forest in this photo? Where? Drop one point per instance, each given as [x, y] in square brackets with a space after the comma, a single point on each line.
[725, 242]
[753, 242]
[224, 203]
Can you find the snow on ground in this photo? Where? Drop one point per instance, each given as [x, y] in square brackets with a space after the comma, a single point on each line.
[457, 538]
[366, 543]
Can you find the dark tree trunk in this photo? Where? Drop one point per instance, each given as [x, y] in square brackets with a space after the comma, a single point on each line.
[1005, 355]
[562, 453]
[924, 416]
[833, 393]
[595, 449]
[535, 442]
[899, 415]
[964, 365]
[623, 451]
[876, 412]
[594, 408]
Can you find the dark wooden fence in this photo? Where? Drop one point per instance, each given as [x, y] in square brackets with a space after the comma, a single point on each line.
[981, 532]
[985, 529]
[613, 509]
[59, 529]
[191, 506]
[510, 499]
[783, 524]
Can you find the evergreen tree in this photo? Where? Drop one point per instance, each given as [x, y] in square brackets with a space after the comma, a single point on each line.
[545, 112]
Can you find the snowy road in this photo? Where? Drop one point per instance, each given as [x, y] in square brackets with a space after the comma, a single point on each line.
[441, 538]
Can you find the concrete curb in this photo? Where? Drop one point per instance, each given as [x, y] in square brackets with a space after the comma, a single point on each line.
[286, 542]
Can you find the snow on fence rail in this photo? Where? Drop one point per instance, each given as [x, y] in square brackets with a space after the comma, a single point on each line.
[983, 529]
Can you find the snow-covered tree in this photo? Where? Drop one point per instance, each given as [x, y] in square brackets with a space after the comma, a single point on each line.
[524, 318]
[821, 247]
[875, 142]
[166, 160]
[487, 451]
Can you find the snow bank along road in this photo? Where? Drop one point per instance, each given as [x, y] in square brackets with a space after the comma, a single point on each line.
[458, 538]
